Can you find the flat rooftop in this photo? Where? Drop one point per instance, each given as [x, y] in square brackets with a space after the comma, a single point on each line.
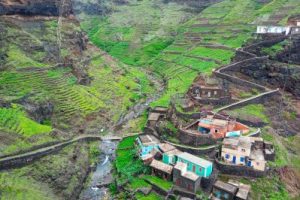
[148, 139]
[165, 147]
[226, 187]
[194, 159]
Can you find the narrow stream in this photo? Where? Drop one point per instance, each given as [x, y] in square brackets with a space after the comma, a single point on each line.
[102, 176]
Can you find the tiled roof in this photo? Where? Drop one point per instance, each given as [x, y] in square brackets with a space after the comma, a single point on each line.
[161, 166]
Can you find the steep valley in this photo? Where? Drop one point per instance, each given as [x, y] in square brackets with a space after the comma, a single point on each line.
[77, 67]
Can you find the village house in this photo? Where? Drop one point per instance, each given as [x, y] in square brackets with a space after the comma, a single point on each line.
[271, 30]
[199, 166]
[185, 169]
[171, 157]
[161, 169]
[186, 179]
[155, 115]
[232, 190]
[292, 27]
[146, 144]
[208, 91]
[247, 151]
[217, 126]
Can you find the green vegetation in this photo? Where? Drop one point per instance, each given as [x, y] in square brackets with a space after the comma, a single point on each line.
[16, 186]
[138, 183]
[14, 119]
[127, 143]
[161, 183]
[256, 110]
[270, 188]
[275, 49]
[151, 196]
[94, 152]
[127, 163]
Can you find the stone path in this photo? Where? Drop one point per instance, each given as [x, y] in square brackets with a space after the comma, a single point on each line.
[28, 157]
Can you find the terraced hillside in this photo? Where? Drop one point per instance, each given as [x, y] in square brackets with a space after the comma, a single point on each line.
[209, 40]
[54, 87]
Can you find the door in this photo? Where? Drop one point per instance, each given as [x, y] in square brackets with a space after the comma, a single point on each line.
[234, 159]
[249, 163]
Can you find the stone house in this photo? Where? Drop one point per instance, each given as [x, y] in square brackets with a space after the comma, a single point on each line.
[184, 178]
[155, 115]
[161, 169]
[230, 191]
[146, 143]
[246, 151]
[208, 91]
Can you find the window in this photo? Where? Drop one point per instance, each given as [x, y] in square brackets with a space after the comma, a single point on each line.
[200, 169]
[243, 150]
[194, 168]
[257, 163]
[227, 156]
[242, 159]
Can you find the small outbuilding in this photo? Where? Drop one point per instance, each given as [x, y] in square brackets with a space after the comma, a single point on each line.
[161, 169]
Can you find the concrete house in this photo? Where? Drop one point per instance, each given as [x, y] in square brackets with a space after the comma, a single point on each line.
[171, 157]
[230, 191]
[184, 178]
[246, 151]
[220, 126]
[146, 144]
[271, 30]
[199, 166]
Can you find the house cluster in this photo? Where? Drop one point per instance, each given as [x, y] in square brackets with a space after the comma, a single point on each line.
[167, 162]
[292, 27]
[247, 151]
[218, 126]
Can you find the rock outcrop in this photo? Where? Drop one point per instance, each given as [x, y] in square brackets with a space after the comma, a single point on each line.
[36, 7]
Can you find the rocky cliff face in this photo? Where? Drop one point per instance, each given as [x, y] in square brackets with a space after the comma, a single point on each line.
[291, 54]
[36, 7]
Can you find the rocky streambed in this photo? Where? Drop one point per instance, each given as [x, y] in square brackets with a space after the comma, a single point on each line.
[101, 177]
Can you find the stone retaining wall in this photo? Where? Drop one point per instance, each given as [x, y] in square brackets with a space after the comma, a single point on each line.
[27, 159]
[195, 140]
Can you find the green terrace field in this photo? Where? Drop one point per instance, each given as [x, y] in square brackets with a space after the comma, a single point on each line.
[31, 77]
[209, 40]
[138, 31]
[15, 120]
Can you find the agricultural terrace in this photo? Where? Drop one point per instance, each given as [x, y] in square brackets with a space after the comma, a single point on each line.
[209, 41]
